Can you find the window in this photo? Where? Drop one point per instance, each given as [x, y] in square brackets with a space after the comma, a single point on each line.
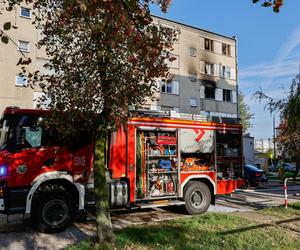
[28, 132]
[225, 49]
[193, 52]
[24, 46]
[170, 87]
[193, 102]
[226, 72]
[227, 95]
[210, 92]
[24, 12]
[193, 77]
[209, 69]
[208, 44]
[21, 81]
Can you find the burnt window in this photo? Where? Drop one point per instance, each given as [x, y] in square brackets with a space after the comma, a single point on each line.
[210, 92]
[227, 95]
[226, 49]
[209, 44]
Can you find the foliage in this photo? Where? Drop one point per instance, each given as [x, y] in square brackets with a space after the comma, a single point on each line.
[288, 107]
[244, 112]
[288, 138]
[276, 4]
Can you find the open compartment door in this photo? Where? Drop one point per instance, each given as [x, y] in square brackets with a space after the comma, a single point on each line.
[229, 162]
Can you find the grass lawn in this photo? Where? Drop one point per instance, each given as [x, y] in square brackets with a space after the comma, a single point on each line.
[211, 231]
[274, 176]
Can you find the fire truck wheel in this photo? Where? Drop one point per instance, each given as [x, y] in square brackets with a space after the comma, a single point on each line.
[54, 212]
[197, 197]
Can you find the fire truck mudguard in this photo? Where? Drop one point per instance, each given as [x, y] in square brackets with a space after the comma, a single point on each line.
[198, 178]
[54, 176]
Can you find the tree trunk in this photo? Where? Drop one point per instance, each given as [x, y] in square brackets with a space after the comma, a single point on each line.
[103, 222]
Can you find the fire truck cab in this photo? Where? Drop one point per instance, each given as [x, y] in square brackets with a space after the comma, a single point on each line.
[155, 161]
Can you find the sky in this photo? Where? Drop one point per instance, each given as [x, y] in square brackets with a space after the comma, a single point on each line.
[268, 46]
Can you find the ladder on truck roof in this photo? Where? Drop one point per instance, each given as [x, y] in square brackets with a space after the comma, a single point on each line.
[185, 116]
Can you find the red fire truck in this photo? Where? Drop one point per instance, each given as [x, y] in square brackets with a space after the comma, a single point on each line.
[155, 161]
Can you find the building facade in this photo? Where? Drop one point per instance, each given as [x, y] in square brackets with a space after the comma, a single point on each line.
[205, 73]
[14, 89]
[205, 69]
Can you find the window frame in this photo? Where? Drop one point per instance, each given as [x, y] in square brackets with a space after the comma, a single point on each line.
[193, 52]
[168, 87]
[24, 8]
[227, 93]
[25, 84]
[227, 49]
[212, 68]
[209, 43]
[210, 90]
[21, 49]
[193, 104]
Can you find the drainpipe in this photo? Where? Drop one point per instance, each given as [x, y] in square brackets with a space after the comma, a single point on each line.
[236, 76]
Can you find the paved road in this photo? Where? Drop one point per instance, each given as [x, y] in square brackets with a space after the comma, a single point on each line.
[18, 235]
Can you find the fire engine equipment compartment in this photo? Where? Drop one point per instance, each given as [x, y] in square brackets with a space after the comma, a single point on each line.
[229, 155]
[157, 164]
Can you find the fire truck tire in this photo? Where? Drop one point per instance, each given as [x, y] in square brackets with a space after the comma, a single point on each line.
[197, 197]
[54, 212]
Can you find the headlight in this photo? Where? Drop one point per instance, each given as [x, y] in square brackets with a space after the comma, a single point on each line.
[3, 170]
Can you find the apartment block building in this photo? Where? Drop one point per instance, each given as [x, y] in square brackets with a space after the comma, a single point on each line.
[205, 73]
[204, 70]
[14, 89]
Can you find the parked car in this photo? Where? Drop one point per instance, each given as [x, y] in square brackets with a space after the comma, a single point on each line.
[254, 176]
[290, 167]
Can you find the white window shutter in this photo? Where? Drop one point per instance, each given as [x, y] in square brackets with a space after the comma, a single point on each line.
[220, 70]
[175, 87]
[202, 67]
[232, 74]
[234, 97]
[219, 94]
[202, 43]
[215, 69]
[202, 92]
[207, 68]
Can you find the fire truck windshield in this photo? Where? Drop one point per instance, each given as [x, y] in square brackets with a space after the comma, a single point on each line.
[4, 131]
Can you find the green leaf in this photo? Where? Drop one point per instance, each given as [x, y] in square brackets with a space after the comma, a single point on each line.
[10, 8]
[20, 61]
[266, 4]
[7, 26]
[255, 1]
[4, 39]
